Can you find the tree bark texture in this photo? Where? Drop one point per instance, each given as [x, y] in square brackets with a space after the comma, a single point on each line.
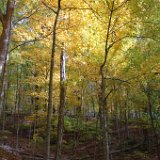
[6, 20]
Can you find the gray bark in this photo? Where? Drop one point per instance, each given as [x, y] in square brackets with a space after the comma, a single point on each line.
[60, 127]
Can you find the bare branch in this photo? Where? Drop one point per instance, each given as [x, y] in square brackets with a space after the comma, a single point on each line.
[108, 5]
[107, 47]
[75, 8]
[117, 79]
[96, 14]
[109, 94]
[21, 44]
[123, 3]
[26, 17]
[49, 7]
[30, 41]
[129, 36]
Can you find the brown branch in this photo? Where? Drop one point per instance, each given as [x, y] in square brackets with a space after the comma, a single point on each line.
[123, 3]
[10, 8]
[118, 79]
[108, 94]
[30, 41]
[107, 37]
[26, 17]
[115, 42]
[96, 14]
[75, 8]
[24, 43]
[134, 37]
[49, 7]
[108, 5]
[21, 44]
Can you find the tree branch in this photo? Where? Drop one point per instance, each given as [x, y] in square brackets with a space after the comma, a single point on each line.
[26, 17]
[129, 36]
[49, 7]
[30, 41]
[96, 14]
[118, 79]
[124, 2]
[23, 43]
[107, 47]
[108, 94]
[108, 5]
[75, 8]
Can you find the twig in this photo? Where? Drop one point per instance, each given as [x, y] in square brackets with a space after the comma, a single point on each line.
[26, 17]
[124, 2]
[49, 7]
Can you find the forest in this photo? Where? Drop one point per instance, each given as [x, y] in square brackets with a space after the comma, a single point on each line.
[80, 79]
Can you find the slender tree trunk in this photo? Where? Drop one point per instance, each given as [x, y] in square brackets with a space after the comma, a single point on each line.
[152, 122]
[93, 106]
[145, 131]
[116, 114]
[5, 19]
[50, 92]
[18, 101]
[117, 120]
[126, 120]
[36, 107]
[105, 133]
[3, 103]
[2, 96]
[60, 127]
[103, 101]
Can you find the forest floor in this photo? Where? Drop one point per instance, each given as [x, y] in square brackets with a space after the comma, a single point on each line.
[88, 151]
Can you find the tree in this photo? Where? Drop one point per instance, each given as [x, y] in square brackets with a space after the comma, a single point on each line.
[103, 112]
[49, 112]
[60, 126]
[6, 19]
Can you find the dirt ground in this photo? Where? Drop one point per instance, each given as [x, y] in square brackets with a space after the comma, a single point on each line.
[87, 151]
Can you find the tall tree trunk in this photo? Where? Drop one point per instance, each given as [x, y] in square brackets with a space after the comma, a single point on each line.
[2, 96]
[126, 117]
[60, 127]
[116, 114]
[50, 92]
[152, 122]
[104, 119]
[103, 98]
[5, 36]
[18, 103]
[5, 19]
[117, 125]
[145, 131]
